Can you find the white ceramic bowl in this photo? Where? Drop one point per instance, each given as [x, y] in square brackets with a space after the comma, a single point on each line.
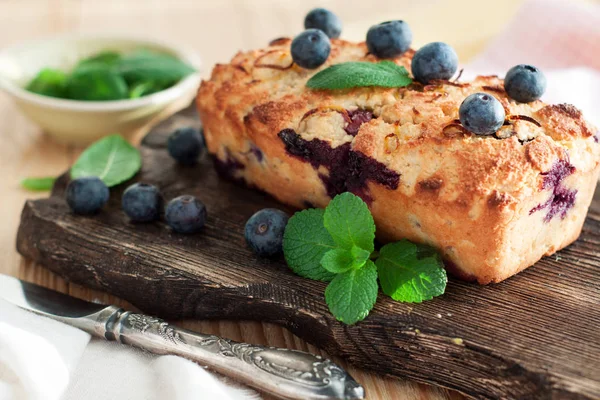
[82, 122]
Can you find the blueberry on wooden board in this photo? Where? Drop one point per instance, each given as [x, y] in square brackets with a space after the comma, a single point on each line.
[142, 202]
[185, 145]
[264, 232]
[185, 214]
[87, 195]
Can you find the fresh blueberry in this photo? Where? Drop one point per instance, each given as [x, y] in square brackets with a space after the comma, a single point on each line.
[264, 232]
[524, 83]
[185, 214]
[87, 195]
[389, 39]
[142, 202]
[434, 61]
[311, 48]
[481, 114]
[325, 20]
[185, 145]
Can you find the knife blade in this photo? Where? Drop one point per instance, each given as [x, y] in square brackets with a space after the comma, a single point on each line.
[289, 374]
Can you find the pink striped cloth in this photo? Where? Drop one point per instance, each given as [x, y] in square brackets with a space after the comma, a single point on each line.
[562, 38]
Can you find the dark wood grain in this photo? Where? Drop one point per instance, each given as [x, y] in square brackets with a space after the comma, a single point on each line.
[536, 335]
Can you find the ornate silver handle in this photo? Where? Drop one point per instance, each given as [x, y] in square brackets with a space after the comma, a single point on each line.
[286, 373]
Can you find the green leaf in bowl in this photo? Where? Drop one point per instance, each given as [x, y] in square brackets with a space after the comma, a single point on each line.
[108, 58]
[48, 82]
[146, 88]
[112, 159]
[96, 82]
[146, 66]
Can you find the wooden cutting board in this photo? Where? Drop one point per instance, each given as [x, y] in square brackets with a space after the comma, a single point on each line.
[536, 335]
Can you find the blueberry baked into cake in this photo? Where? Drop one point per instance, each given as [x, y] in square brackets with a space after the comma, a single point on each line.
[484, 171]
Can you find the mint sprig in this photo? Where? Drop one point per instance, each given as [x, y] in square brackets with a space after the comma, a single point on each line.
[351, 295]
[360, 74]
[337, 245]
[406, 276]
[338, 261]
[349, 222]
[305, 242]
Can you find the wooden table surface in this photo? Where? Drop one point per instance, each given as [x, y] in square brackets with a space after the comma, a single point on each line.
[216, 30]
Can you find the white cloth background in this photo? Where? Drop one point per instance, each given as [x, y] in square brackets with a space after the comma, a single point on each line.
[45, 360]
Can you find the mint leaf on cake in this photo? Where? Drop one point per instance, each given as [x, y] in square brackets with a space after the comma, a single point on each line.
[360, 74]
[408, 275]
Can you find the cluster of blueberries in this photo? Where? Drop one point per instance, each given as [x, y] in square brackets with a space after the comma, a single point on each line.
[143, 202]
[480, 113]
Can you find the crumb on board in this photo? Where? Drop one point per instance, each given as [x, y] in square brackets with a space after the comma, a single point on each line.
[438, 315]
[458, 341]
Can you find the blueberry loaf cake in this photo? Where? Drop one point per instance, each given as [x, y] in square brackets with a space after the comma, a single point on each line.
[493, 205]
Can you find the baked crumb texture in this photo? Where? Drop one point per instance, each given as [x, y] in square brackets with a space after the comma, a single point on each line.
[492, 205]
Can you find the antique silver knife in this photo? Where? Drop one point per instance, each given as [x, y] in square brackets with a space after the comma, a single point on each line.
[289, 374]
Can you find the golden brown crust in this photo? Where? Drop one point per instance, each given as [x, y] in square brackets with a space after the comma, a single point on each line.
[483, 201]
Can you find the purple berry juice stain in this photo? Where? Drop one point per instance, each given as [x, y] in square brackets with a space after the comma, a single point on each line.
[357, 118]
[349, 171]
[256, 152]
[227, 168]
[562, 198]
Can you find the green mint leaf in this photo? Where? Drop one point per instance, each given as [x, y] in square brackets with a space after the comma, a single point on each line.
[358, 74]
[111, 159]
[338, 261]
[352, 294]
[350, 223]
[411, 273]
[148, 66]
[96, 82]
[305, 241]
[360, 256]
[38, 184]
[145, 88]
[48, 82]
[108, 58]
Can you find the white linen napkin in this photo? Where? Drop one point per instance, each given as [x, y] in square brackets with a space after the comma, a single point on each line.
[41, 359]
[37, 355]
